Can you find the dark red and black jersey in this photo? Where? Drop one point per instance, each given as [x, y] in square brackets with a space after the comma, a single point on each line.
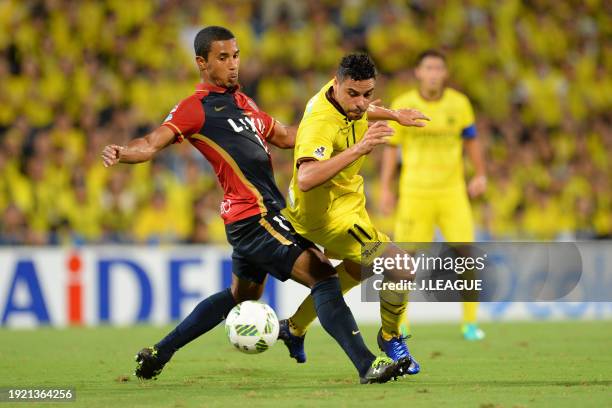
[230, 131]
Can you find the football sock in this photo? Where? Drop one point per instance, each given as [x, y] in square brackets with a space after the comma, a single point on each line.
[392, 310]
[305, 314]
[337, 319]
[470, 310]
[205, 316]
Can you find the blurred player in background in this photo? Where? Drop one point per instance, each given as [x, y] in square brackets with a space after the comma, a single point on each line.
[229, 130]
[326, 198]
[432, 190]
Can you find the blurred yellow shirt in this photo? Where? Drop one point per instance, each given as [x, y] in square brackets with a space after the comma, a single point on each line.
[432, 157]
[325, 132]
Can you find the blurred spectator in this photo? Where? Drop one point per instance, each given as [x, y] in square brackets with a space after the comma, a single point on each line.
[78, 75]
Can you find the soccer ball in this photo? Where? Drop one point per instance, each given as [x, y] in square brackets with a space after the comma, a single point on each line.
[252, 327]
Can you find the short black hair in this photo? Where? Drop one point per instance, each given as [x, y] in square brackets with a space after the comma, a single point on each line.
[206, 36]
[358, 67]
[430, 53]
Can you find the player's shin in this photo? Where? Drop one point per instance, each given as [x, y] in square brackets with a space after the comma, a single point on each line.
[392, 309]
[470, 311]
[305, 314]
[337, 319]
[205, 316]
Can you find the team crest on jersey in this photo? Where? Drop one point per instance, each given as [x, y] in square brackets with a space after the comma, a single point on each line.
[226, 206]
[319, 152]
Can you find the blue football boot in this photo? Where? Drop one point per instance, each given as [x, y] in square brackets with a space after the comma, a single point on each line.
[397, 350]
[294, 343]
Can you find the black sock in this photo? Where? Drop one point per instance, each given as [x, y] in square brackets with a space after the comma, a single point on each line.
[337, 319]
[206, 315]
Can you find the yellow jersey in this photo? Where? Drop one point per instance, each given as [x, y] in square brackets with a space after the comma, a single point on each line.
[432, 157]
[324, 132]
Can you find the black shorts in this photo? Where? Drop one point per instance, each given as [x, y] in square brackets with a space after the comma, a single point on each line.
[264, 245]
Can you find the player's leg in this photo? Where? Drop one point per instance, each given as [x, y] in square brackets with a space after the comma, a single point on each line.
[392, 305]
[204, 317]
[416, 219]
[284, 254]
[457, 225]
[292, 331]
[313, 270]
[415, 222]
[337, 243]
[343, 239]
[305, 314]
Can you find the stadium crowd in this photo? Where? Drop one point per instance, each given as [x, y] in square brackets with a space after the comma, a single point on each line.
[76, 75]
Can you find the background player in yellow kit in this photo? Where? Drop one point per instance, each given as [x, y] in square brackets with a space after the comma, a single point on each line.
[432, 189]
[326, 202]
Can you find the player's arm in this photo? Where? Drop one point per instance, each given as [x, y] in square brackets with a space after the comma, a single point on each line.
[140, 149]
[405, 117]
[283, 136]
[185, 119]
[478, 183]
[312, 172]
[387, 179]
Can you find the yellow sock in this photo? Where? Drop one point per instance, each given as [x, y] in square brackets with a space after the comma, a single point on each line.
[405, 322]
[305, 314]
[392, 311]
[470, 310]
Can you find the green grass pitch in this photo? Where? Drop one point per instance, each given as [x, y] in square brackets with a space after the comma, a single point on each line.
[518, 365]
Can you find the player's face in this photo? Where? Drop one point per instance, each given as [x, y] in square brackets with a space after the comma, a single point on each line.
[431, 73]
[354, 96]
[223, 62]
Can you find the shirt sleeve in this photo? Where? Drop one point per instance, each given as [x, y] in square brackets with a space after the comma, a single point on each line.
[268, 124]
[468, 130]
[314, 141]
[186, 118]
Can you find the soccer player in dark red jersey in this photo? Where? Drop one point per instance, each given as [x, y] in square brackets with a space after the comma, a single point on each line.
[228, 128]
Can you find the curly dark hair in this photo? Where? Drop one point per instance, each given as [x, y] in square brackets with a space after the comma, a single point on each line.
[206, 36]
[358, 67]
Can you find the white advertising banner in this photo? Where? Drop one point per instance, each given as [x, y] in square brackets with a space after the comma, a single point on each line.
[124, 285]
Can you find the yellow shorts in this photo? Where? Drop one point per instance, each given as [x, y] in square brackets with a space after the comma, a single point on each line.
[419, 214]
[350, 229]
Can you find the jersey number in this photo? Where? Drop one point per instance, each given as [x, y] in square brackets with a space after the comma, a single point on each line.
[279, 219]
[359, 231]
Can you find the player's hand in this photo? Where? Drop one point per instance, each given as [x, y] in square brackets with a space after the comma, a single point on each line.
[410, 117]
[387, 201]
[377, 134]
[477, 186]
[111, 155]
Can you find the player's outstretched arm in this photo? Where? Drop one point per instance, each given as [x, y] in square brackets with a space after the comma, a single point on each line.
[405, 117]
[140, 149]
[283, 136]
[312, 173]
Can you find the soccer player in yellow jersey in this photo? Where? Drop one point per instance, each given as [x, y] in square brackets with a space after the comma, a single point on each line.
[432, 190]
[326, 203]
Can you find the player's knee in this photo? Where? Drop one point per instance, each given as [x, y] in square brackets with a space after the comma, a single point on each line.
[244, 293]
[312, 267]
[320, 268]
